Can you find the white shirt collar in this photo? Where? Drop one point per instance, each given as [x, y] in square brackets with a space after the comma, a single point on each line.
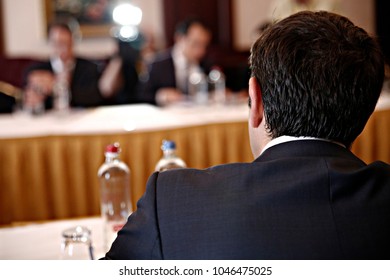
[285, 138]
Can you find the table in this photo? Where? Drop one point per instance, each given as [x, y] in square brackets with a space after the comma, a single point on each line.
[48, 164]
[42, 241]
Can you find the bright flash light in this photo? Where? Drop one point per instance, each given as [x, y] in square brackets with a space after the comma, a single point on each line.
[128, 32]
[127, 14]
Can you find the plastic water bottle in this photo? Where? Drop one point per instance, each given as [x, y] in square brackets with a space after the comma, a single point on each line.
[169, 159]
[218, 85]
[61, 96]
[198, 88]
[114, 179]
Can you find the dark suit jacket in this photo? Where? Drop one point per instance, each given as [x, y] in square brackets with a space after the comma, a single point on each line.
[161, 74]
[299, 200]
[7, 103]
[84, 85]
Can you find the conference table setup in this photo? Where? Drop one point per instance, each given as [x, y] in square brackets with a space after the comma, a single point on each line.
[49, 163]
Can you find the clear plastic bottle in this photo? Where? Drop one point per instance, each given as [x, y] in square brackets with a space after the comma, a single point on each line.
[61, 95]
[218, 85]
[198, 88]
[114, 179]
[169, 160]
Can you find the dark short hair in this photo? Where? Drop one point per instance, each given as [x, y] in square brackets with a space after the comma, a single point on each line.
[68, 24]
[320, 76]
[263, 26]
[183, 26]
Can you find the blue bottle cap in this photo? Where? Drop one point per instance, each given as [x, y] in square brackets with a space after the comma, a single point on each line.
[168, 145]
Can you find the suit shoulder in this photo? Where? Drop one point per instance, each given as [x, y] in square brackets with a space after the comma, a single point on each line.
[202, 176]
[381, 169]
[162, 58]
[380, 165]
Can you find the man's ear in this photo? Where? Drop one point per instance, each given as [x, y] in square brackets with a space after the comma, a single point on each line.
[256, 111]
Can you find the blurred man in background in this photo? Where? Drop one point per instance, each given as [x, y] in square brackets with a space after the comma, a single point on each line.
[81, 75]
[167, 81]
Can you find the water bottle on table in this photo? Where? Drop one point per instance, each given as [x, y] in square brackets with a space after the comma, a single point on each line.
[218, 85]
[198, 88]
[114, 179]
[61, 96]
[169, 160]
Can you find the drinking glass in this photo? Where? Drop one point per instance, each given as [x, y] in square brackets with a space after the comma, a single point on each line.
[76, 244]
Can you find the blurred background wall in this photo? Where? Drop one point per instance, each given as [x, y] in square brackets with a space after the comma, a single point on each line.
[24, 23]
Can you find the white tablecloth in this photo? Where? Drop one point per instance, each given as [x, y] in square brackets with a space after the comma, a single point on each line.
[42, 241]
[117, 119]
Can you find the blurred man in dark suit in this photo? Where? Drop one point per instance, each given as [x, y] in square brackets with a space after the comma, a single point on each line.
[81, 75]
[168, 73]
[316, 79]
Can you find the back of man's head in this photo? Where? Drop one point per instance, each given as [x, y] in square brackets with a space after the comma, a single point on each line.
[320, 76]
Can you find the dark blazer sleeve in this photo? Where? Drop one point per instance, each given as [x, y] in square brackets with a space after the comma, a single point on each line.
[140, 237]
[84, 87]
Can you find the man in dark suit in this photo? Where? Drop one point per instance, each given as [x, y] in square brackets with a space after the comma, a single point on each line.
[315, 81]
[168, 73]
[81, 75]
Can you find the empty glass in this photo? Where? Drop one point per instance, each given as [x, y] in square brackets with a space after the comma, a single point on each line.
[76, 244]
